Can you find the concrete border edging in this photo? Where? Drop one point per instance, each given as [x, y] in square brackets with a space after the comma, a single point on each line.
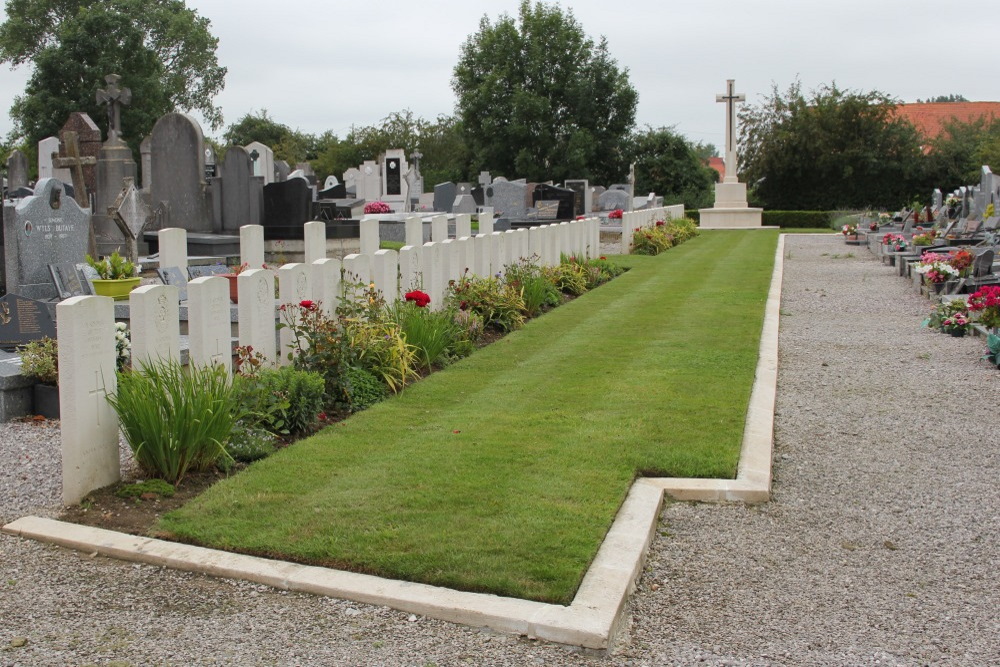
[593, 618]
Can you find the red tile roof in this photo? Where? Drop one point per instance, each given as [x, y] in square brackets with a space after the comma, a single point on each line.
[718, 164]
[929, 117]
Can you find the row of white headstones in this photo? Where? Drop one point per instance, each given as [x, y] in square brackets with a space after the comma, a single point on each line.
[87, 353]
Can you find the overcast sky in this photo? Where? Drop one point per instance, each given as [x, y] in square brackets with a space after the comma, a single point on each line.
[319, 66]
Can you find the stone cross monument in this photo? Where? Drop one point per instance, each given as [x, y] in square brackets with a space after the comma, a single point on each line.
[731, 210]
[730, 99]
[115, 98]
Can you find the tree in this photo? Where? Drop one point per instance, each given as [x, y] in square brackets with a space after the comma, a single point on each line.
[162, 50]
[289, 145]
[957, 155]
[944, 98]
[539, 99]
[667, 164]
[834, 149]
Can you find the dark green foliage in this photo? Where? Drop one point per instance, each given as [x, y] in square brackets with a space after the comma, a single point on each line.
[289, 145]
[286, 401]
[539, 99]
[163, 51]
[667, 164]
[834, 149]
[364, 388]
[536, 289]
[797, 219]
[958, 154]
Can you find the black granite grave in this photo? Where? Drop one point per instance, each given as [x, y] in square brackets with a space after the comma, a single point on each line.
[339, 191]
[287, 204]
[23, 320]
[564, 196]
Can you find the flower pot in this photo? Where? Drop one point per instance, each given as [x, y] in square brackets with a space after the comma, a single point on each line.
[233, 292]
[116, 289]
[957, 333]
[46, 401]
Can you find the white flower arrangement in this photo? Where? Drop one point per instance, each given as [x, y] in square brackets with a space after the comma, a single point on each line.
[123, 345]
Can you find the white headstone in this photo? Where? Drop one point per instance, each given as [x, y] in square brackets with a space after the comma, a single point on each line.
[369, 235]
[409, 269]
[486, 220]
[465, 256]
[481, 253]
[498, 252]
[433, 277]
[463, 225]
[256, 312]
[209, 323]
[155, 323]
[314, 240]
[264, 164]
[535, 245]
[88, 425]
[330, 182]
[46, 147]
[357, 271]
[326, 284]
[369, 183]
[449, 261]
[173, 248]
[385, 274]
[439, 228]
[293, 288]
[414, 231]
[252, 246]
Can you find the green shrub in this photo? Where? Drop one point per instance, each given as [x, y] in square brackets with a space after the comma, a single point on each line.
[284, 401]
[651, 241]
[40, 360]
[536, 289]
[569, 277]
[797, 219]
[364, 389]
[176, 420]
[249, 443]
[499, 304]
[433, 333]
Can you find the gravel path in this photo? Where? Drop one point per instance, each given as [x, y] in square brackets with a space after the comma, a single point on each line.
[880, 546]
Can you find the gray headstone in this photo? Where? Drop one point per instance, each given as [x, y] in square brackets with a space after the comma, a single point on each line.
[172, 275]
[67, 280]
[178, 170]
[614, 199]
[463, 189]
[937, 199]
[507, 199]
[203, 270]
[444, 196]
[45, 228]
[351, 177]
[17, 171]
[146, 160]
[23, 320]
[464, 204]
[596, 203]
[281, 171]
[242, 192]
[484, 178]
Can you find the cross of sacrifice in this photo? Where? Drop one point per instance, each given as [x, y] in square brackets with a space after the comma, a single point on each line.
[730, 99]
[114, 97]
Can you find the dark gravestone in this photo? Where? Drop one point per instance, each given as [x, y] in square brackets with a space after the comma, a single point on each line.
[88, 142]
[178, 166]
[67, 280]
[444, 196]
[393, 177]
[21, 192]
[17, 171]
[464, 204]
[550, 193]
[581, 196]
[338, 191]
[287, 204]
[23, 320]
[172, 275]
[242, 192]
[479, 196]
[45, 228]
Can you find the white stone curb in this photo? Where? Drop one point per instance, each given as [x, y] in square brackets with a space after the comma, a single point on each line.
[591, 621]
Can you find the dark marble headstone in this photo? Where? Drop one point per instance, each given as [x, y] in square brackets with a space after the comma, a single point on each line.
[67, 280]
[581, 196]
[478, 195]
[172, 275]
[178, 170]
[287, 204]
[444, 196]
[338, 191]
[564, 196]
[242, 192]
[23, 320]
[45, 228]
[393, 177]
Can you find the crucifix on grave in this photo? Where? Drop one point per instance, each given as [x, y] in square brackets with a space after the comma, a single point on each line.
[114, 97]
[75, 163]
[730, 98]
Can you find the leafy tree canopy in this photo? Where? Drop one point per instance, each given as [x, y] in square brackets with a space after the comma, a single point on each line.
[833, 149]
[958, 154]
[163, 51]
[667, 164]
[539, 99]
[944, 98]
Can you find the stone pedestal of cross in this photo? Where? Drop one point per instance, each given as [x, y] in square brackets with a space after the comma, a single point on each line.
[730, 98]
[731, 210]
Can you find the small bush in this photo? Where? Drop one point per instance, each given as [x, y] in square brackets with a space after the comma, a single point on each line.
[433, 333]
[500, 305]
[568, 277]
[250, 443]
[176, 420]
[536, 289]
[284, 401]
[40, 360]
[364, 389]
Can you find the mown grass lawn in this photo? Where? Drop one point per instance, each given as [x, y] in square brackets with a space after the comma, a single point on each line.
[503, 472]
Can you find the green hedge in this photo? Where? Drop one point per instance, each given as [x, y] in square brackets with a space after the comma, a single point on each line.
[785, 219]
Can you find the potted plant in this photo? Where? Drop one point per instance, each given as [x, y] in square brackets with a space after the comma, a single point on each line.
[231, 277]
[985, 303]
[117, 276]
[957, 325]
[40, 361]
[850, 231]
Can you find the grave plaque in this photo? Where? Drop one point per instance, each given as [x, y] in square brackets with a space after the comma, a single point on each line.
[23, 320]
[393, 177]
[67, 280]
[172, 275]
[547, 210]
[287, 204]
[550, 193]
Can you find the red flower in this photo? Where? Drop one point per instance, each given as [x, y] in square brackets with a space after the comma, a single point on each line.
[659, 223]
[615, 214]
[603, 257]
[307, 304]
[418, 297]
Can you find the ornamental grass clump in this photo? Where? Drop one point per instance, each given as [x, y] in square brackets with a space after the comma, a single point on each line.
[537, 291]
[174, 419]
[499, 304]
[433, 334]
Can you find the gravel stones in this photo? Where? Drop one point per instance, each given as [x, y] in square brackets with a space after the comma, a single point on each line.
[879, 546]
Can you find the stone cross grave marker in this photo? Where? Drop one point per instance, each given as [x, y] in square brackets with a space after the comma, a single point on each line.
[115, 98]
